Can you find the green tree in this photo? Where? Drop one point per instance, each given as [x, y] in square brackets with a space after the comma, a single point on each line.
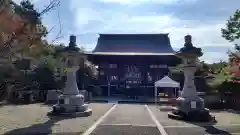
[86, 75]
[232, 30]
[202, 77]
[45, 78]
[48, 61]
[231, 33]
[216, 68]
[222, 76]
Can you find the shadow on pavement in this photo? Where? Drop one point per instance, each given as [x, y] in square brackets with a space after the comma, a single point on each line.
[234, 111]
[214, 130]
[41, 128]
[211, 129]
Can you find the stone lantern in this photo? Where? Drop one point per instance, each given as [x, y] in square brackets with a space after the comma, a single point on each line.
[189, 105]
[71, 102]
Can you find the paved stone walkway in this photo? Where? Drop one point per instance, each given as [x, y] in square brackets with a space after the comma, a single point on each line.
[32, 120]
[127, 120]
[130, 119]
[110, 119]
[227, 124]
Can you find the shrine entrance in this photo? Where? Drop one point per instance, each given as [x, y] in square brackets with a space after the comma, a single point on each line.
[114, 91]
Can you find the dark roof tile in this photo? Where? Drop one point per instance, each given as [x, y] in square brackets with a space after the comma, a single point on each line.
[134, 43]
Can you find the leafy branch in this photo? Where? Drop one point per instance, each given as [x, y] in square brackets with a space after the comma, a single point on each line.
[32, 26]
[232, 30]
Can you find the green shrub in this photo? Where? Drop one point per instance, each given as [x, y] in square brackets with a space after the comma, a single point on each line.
[45, 78]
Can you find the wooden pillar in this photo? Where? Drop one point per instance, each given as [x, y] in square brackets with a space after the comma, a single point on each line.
[179, 92]
[108, 89]
[155, 91]
[176, 92]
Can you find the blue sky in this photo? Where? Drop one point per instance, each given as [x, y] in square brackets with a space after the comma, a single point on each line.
[203, 19]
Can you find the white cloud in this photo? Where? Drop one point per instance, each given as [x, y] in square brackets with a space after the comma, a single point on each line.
[134, 2]
[120, 16]
[138, 24]
[211, 57]
[94, 20]
[164, 20]
[85, 15]
[203, 34]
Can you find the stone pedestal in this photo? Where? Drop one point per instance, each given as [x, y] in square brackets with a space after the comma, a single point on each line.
[71, 102]
[52, 96]
[189, 100]
[189, 105]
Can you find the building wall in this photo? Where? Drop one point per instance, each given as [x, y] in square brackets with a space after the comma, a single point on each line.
[131, 75]
[134, 75]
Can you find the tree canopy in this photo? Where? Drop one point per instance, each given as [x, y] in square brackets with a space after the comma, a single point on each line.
[25, 21]
[232, 30]
[22, 31]
[226, 72]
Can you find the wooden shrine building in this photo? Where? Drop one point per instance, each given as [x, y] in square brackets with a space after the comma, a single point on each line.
[129, 64]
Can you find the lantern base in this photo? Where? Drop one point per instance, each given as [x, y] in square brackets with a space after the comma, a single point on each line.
[196, 115]
[191, 110]
[71, 105]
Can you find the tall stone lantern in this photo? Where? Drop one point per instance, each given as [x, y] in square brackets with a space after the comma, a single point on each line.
[189, 105]
[71, 102]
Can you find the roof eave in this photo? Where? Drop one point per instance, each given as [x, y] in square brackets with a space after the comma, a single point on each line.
[101, 34]
[130, 54]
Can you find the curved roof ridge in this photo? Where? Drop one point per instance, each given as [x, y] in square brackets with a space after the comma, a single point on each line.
[135, 43]
[133, 33]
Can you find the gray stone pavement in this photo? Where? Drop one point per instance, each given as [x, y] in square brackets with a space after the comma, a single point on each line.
[133, 114]
[125, 130]
[131, 119]
[227, 124]
[124, 119]
[32, 119]
[127, 119]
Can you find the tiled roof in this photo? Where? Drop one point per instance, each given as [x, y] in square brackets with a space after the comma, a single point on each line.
[133, 44]
[129, 53]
